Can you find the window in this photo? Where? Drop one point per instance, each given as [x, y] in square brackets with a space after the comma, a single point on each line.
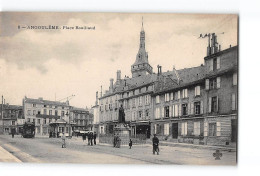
[34, 105]
[62, 107]
[13, 122]
[197, 107]
[45, 106]
[184, 109]
[45, 111]
[235, 79]
[44, 121]
[172, 96]
[133, 116]
[56, 112]
[179, 94]
[211, 65]
[167, 97]
[213, 104]
[213, 83]
[197, 90]
[62, 113]
[167, 112]
[184, 128]
[140, 114]
[147, 112]
[157, 112]
[234, 106]
[207, 84]
[50, 112]
[176, 110]
[39, 121]
[133, 102]
[29, 112]
[166, 129]
[34, 112]
[214, 64]
[205, 129]
[158, 99]
[196, 128]
[215, 129]
[147, 99]
[184, 93]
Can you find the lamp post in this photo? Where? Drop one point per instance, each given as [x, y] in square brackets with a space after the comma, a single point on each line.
[67, 114]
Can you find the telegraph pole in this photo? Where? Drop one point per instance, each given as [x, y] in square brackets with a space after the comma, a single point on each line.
[2, 113]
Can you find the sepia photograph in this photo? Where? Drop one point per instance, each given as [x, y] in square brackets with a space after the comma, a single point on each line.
[119, 88]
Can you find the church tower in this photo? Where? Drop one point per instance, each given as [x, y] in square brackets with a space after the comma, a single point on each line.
[141, 66]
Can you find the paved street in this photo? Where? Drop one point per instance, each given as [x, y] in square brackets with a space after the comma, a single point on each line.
[46, 150]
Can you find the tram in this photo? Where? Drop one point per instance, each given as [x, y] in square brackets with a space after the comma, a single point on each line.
[28, 130]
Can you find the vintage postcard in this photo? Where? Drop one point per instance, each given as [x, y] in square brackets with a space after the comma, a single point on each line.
[119, 88]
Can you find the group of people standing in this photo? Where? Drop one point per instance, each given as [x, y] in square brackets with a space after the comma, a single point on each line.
[91, 138]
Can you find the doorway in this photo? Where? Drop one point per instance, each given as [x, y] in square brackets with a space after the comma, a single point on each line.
[234, 130]
[174, 130]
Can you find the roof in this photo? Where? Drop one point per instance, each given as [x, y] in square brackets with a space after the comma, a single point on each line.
[11, 107]
[168, 80]
[74, 109]
[47, 102]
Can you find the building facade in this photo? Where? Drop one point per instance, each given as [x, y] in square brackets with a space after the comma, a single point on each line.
[196, 105]
[80, 119]
[12, 118]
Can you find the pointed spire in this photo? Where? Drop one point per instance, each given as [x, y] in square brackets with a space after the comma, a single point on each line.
[142, 23]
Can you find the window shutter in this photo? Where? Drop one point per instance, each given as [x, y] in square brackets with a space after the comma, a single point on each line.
[182, 128]
[211, 65]
[186, 92]
[173, 111]
[198, 89]
[170, 111]
[233, 101]
[192, 108]
[218, 62]
[165, 97]
[218, 129]
[235, 79]
[179, 94]
[195, 90]
[183, 93]
[210, 99]
[171, 96]
[155, 129]
[201, 107]
[180, 110]
[176, 110]
[189, 106]
[218, 82]
[205, 129]
[207, 84]
[217, 104]
[162, 112]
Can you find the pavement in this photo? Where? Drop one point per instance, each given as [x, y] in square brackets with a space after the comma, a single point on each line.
[48, 150]
[5, 156]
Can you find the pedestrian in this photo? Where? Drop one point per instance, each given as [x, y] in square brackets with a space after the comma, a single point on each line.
[155, 144]
[13, 131]
[130, 144]
[63, 138]
[94, 137]
[114, 140]
[118, 142]
[91, 138]
[83, 137]
[88, 138]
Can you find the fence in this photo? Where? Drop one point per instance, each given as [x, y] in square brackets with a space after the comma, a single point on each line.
[136, 140]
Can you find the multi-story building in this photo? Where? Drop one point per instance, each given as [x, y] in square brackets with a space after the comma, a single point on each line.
[95, 112]
[80, 119]
[202, 107]
[48, 116]
[193, 105]
[12, 118]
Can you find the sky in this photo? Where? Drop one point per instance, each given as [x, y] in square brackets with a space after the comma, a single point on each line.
[54, 64]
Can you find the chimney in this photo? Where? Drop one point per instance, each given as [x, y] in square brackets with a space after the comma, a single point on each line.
[111, 85]
[177, 75]
[118, 75]
[96, 98]
[101, 92]
[159, 69]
